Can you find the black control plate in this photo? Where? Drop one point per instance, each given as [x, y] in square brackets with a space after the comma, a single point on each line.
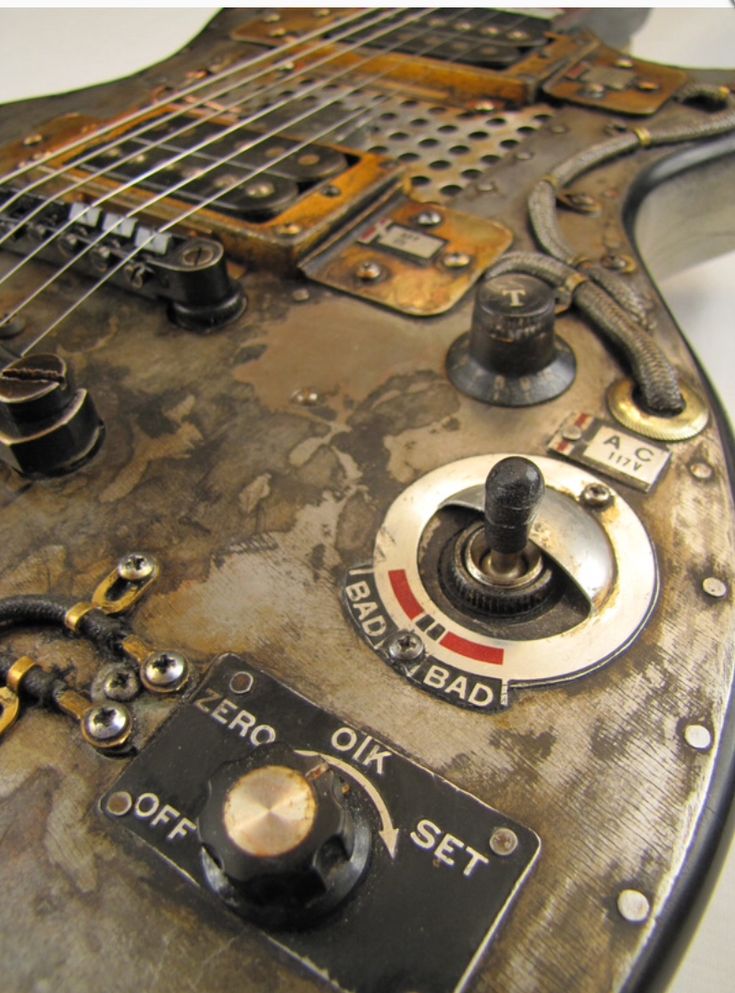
[435, 891]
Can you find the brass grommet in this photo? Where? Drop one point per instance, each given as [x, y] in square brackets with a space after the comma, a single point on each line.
[679, 427]
[18, 671]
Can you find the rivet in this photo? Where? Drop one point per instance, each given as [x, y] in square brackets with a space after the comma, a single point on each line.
[700, 470]
[405, 646]
[241, 682]
[277, 32]
[272, 18]
[572, 433]
[32, 139]
[558, 129]
[11, 326]
[647, 86]
[699, 737]
[483, 106]
[301, 295]
[119, 803]
[596, 496]
[307, 396]
[596, 90]
[624, 63]
[368, 272]
[288, 230]
[322, 12]
[429, 218]
[523, 156]
[331, 191]
[486, 186]
[714, 587]
[634, 906]
[503, 842]
[457, 260]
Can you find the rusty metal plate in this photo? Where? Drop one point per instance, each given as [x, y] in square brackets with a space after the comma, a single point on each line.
[613, 81]
[411, 267]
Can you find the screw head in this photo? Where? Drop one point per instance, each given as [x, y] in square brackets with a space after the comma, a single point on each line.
[701, 470]
[288, 230]
[597, 496]
[634, 906]
[698, 737]
[119, 803]
[405, 646]
[259, 190]
[596, 90]
[32, 139]
[331, 191]
[241, 682]
[307, 396]
[714, 587]
[107, 724]
[558, 128]
[135, 567]
[10, 327]
[165, 672]
[617, 263]
[624, 63]
[647, 86]
[300, 295]
[486, 186]
[572, 433]
[429, 218]
[121, 683]
[457, 260]
[523, 156]
[368, 272]
[503, 842]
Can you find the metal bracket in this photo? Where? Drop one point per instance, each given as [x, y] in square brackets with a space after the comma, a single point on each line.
[118, 592]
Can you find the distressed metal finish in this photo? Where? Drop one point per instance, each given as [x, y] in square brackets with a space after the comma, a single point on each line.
[255, 506]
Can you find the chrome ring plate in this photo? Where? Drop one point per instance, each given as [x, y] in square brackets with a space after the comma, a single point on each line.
[611, 624]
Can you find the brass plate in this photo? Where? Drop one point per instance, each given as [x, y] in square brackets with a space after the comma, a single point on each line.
[410, 285]
[631, 86]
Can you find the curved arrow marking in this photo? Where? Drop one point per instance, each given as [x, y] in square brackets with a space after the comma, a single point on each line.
[388, 832]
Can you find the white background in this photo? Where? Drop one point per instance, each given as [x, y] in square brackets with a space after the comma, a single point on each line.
[54, 50]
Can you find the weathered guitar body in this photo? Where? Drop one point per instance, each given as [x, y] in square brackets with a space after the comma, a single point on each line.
[529, 792]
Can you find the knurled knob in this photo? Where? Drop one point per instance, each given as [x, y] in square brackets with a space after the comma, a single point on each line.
[512, 356]
[281, 844]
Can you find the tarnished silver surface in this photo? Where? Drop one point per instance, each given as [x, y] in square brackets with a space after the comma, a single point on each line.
[256, 506]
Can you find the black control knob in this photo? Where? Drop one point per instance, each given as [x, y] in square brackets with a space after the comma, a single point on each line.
[512, 356]
[282, 842]
[48, 426]
[491, 567]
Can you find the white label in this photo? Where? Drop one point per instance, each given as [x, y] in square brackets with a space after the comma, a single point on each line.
[622, 454]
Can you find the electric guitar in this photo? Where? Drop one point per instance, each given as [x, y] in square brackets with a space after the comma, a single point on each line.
[367, 523]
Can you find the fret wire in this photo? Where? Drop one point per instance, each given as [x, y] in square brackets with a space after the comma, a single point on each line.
[10, 314]
[159, 167]
[221, 193]
[136, 133]
[180, 94]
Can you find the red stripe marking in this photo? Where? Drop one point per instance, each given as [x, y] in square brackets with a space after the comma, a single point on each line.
[473, 650]
[583, 420]
[399, 581]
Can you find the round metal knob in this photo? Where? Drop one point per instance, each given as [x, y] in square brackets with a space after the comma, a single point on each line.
[282, 844]
[512, 357]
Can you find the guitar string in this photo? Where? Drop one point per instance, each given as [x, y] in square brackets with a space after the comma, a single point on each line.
[161, 166]
[69, 168]
[220, 194]
[10, 314]
[141, 113]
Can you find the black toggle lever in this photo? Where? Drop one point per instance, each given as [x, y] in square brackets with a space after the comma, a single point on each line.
[513, 491]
